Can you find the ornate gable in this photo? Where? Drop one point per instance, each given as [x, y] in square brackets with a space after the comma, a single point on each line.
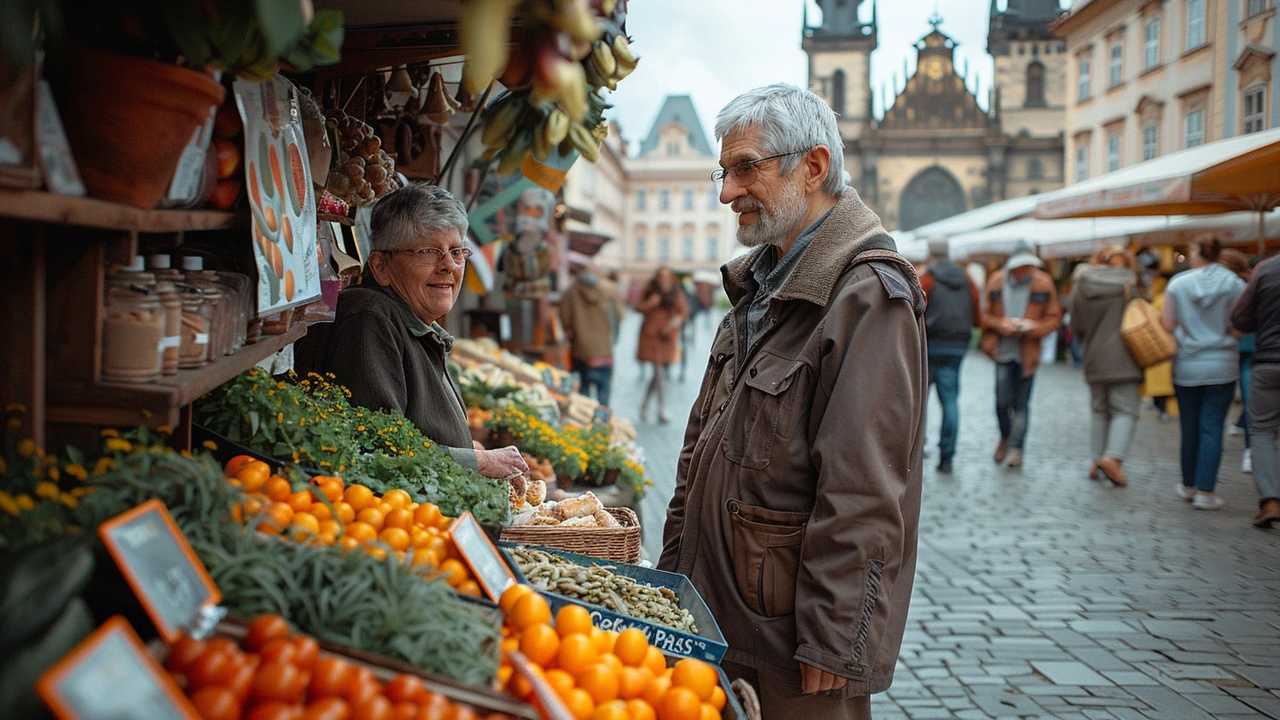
[935, 96]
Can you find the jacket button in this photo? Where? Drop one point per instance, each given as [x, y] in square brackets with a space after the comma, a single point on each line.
[854, 669]
[753, 372]
[724, 405]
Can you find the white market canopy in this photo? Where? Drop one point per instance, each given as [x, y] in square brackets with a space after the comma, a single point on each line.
[980, 217]
[1054, 238]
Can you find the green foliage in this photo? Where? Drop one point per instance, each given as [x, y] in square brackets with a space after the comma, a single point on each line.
[251, 37]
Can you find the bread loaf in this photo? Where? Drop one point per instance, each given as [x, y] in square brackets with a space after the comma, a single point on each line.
[606, 519]
[585, 505]
[536, 492]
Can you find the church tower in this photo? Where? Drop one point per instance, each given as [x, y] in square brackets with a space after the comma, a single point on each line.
[839, 51]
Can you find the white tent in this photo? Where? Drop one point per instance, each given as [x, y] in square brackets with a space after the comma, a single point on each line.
[1054, 238]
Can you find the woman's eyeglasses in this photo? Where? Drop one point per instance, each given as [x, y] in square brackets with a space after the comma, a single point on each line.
[744, 173]
[433, 256]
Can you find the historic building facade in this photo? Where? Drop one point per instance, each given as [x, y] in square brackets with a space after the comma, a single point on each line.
[936, 152]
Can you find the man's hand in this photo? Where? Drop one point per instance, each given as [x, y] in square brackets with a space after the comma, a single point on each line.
[501, 463]
[1009, 326]
[813, 680]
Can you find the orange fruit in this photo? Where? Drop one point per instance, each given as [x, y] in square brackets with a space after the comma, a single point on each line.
[612, 710]
[504, 675]
[654, 660]
[252, 506]
[300, 501]
[372, 516]
[718, 698]
[425, 558]
[321, 511]
[279, 517]
[278, 489]
[510, 595]
[426, 515]
[440, 547]
[697, 676]
[385, 507]
[510, 643]
[397, 499]
[540, 643]
[236, 463]
[330, 526]
[603, 640]
[654, 693]
[359, 497]
[631, 647]
[305, 522]
[611, 661]
[560, 681]
[362, 532]
[332, 487]
[572, 620]
[344, 512]
[579, 704]
[376, 552]
[455, 574]
[709, 712]
[395, 538]
[632, 681]
[680, 703]
[348, 543]
[399, 518]
[522, 688]
[419, 538]
[469, 587]
[577, 653]
[324, 539]
[601, 681]
[529, 610]
[641, 710]
[252, 475]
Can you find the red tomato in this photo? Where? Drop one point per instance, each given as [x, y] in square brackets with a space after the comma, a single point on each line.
[330, 708]
[307, 650]
[404, 711]
[212, 668]
[360, 691]
[377, 707]
[265, 629]
[280, 651]
[330, 677]
[404, 688]
[222, 644]
[182, 653]
[241, 681]
[278, 681]
[216, 703]
[274, 711]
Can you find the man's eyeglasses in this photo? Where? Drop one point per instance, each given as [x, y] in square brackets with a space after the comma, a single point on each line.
[433, 256]
[744, 173]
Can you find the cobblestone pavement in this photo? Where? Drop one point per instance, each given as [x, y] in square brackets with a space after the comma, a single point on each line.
[1040, 594]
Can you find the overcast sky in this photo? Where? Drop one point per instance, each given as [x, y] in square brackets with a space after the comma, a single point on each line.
[716, 49]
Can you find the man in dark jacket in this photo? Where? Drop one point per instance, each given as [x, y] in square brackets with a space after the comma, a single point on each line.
[953, 312]
[1258, 310]
[586, 311]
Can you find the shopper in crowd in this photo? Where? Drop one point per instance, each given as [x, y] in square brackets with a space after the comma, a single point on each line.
[1238, 263]
[1022, 308]
[797, 497]
[665, 310]
[386, 345]
[953, 311]
[587, 313]
[1101, 293]
[1258, 310]
[1197, 304]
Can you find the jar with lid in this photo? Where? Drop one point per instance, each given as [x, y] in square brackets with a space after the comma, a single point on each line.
[222, 319]
[197, 320]
[239, 287]
[132, 329]
[170, 304]
[161, 266]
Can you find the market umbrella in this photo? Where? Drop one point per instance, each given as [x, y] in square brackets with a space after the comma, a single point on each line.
[1052, 238]
[1241, 173]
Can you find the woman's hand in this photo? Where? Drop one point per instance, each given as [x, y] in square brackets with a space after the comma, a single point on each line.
[501, 463]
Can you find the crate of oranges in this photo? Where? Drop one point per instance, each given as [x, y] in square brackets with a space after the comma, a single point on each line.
[328, 512]
[604, 675]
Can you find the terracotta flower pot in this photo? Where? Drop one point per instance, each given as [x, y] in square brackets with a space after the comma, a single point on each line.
[128, 119]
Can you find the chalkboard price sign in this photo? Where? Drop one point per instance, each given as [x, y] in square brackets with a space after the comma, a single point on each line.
[473, 545]
[111, 676]
[160, 566]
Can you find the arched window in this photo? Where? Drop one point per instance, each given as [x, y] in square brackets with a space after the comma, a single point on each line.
[1035, 85]
[1035, 169]
[837, 92]
[933, 194]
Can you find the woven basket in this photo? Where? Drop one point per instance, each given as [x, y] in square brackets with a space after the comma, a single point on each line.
[1146, 338]
[620, 544]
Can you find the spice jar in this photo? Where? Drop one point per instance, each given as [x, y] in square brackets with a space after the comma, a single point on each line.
[221, 319]
[170, 305]
[239, 287]
[132, 328]
[197, 313]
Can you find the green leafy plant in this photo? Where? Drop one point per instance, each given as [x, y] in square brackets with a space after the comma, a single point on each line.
[251, 38]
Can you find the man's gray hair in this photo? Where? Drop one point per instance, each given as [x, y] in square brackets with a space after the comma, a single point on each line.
[790, 119]
[413, 212]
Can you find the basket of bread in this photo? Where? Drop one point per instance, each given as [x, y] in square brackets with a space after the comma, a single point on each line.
[579, 524]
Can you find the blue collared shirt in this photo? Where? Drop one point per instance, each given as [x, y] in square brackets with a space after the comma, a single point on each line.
[770, 273]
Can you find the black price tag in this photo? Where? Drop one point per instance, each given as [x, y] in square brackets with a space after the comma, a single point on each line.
[473, 545]
[160, 566]
[111, 676]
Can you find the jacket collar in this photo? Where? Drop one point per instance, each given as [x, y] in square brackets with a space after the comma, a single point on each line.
[416, 326]
[850, 229]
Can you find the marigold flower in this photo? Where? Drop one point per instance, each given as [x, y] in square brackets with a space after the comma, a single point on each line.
[69, 500]
[25, 502]
[116, 444]
[210, 444]
[8, 504]
[26, 447]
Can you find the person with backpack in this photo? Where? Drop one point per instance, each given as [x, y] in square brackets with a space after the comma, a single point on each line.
[953, 311]
[1258, 310]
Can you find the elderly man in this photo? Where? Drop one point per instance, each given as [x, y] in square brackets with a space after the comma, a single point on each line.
[385, 344]
[798, 489]
[953, 312]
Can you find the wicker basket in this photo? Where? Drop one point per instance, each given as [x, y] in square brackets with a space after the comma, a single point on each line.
[1146, 338]
[620, 544]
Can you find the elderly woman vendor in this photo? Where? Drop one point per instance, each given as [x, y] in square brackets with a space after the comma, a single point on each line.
[385, 345]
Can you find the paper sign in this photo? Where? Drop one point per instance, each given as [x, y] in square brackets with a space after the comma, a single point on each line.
[552, 706]
[160, 566]
[111, 676]
[491, 572]
[549, 379]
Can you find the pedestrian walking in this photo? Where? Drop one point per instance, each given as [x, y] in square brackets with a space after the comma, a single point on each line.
[587, 314]
[1197, 304]
[1258, 310]
[1101, 293]
[953, 311]
[797, 500]
[1238, 263]
[665, 310]
[1022, 308]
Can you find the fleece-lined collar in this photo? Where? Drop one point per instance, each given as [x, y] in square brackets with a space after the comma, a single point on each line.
[850, 229]
[416, 326]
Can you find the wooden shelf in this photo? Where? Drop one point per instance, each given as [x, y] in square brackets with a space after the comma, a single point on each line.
[158, 403]
[40, 206]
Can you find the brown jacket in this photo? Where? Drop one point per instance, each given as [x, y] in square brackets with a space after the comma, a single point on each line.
[587, 314]
[798, 489]
[660, 331]
[1043, 313]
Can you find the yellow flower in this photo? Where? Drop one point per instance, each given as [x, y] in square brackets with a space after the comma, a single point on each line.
[146, 413]
[210, 444]
[185, 453]
[25, 502]
[15, 407]
[110, 432]
[26, 447]
[104, 464]
[164, 430]
[8, 505]
[53, 473]
[81, 491]
[116, 444]
[279, 417]
[302, 421]
[69, 500]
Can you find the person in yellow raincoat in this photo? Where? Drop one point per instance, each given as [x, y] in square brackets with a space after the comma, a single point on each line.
[1157, 381]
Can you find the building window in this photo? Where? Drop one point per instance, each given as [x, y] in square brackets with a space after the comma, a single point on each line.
[686, 247]
[664, 199]
[713, 247]
[1113, 152]
[1194, 130]
[1083, 79]
[837, 92]
[1116, 68]
[1035, 85]
[673, 148]
[1151, 44]
[641, 198]
[664, 248]
[1196, 18]
[1150, 140]
[1035, 169]
[1082, 162]
[1255, 109]
[1256, 7]
[688, 198]
[642, 248]
[713, 197]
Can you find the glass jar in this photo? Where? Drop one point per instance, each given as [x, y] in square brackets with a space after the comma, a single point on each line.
[238, 286]
[222, 319]
[132, 330]
[197, 320]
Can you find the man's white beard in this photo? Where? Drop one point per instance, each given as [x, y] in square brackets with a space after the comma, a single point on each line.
[772, 229]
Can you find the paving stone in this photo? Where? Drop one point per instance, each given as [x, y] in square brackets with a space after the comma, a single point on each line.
[1169, 704]
[1267, 706]
[1069, 673]
[1192, 672]
[1098, 628]
[1218, 703]
[1125, 678]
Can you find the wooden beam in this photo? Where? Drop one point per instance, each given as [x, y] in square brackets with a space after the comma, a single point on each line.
[22, 297]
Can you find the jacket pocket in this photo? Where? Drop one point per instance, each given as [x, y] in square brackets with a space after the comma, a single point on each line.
[763, 410]
[766, 556]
